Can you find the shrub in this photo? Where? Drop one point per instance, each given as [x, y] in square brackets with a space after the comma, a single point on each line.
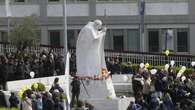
[135, 68]
[41, 87]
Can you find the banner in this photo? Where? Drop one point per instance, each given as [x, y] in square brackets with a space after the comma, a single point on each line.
[142, 13]
[67, 78]
[8, 8]
[141, 5]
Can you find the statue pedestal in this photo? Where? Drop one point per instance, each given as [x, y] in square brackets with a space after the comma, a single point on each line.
[94, 89]
[101, 94]
[110, 104]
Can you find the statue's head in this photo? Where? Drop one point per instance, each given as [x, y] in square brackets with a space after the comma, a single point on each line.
[98, 24]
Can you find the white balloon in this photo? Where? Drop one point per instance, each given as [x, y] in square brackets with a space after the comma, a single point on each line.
[181, 71]
[153, 71]
[56, 91]
[166, 67]
[183, 78]
[179, 74]
[172, 63]
[183, 68]
[32, 74]
[193, 63]
[44, 57]
[141, 65]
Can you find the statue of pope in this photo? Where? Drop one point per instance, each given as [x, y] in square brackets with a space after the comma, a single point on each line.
[90, 49]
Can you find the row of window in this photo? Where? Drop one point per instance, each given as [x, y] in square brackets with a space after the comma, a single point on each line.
[49, 0]
[129, 40]
[125, 39]
[21, 1]
[85, 0]
[180, 38]
[71, 0]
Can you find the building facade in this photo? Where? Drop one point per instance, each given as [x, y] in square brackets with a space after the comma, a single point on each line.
[120, 16]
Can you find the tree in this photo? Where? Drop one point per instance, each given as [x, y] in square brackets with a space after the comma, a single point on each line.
[25, 34]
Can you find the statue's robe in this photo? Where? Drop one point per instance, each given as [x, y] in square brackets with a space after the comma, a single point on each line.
[90, 51]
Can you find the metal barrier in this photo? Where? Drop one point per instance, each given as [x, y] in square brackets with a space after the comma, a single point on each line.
[151, 58]
[124, 56]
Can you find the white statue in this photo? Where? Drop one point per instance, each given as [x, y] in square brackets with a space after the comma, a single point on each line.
[91, 62]
[90, 49]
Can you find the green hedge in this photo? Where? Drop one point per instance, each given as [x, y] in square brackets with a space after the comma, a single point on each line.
[135, 68]
[9, 109]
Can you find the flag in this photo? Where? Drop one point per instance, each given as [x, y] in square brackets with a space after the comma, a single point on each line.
[8, 8]
[67, 67]
[67, 81]
[142, 13]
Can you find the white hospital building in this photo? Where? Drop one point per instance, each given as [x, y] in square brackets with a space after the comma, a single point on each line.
[122, 20]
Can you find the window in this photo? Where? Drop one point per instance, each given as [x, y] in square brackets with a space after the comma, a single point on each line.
[76, 0]
[182, 41]
[153, 41]
[3, 37]
[113, 0]
[19, 0]
[71, 39]
[118, 40]
[103, 0]
[107, 42]
[133, 40]
[54, 0]
[55, 38]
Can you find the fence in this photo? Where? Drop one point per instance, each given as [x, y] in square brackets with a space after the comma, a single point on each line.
[6, 48]
[151, 58]
[125, 56]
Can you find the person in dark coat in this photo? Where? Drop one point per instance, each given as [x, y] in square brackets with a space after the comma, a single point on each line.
[11, 69]
[13, 100]
[111, 67]
[158, 83]
[41, 68]
[19, 75]
[51, 65]
[48, 103]
[75, 90]
[35, 67]
[116, 67]
[27, 69]
[34, 102]
[137, 84]
[56, 86]
[3, 72]
[2, 99]
[58, 104]
[59, 65]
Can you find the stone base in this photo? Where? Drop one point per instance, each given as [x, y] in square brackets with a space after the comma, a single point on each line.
[101, 95]
[110, 104]
[93, 89]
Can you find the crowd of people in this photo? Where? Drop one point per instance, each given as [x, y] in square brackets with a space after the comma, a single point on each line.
[114, 66]
[34, 99]
[19, 65]
[162, 90]
[38, 98]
